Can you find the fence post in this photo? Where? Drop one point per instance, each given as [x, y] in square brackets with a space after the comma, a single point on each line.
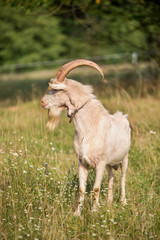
[134, 58]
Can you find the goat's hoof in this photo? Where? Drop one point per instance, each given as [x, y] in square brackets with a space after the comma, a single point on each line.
[110, 201]
[123, 201]
[77, 213]
[95, 208]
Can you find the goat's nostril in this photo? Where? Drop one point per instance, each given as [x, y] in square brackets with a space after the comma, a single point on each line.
[42, 102]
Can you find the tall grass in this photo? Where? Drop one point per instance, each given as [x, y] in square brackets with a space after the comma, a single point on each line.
[39, 176]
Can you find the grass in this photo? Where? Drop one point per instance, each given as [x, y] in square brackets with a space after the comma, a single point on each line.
[39, 176]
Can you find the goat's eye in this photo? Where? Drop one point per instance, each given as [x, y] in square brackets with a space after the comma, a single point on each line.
[50, 92]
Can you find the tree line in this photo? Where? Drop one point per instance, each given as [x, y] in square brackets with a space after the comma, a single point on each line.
[41, 30]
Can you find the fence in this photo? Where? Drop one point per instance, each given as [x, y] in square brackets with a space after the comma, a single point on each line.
[129, 57]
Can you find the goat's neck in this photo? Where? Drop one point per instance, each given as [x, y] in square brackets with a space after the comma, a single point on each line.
[88, 117]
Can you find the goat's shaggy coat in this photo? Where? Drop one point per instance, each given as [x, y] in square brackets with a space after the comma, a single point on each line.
[101, 140]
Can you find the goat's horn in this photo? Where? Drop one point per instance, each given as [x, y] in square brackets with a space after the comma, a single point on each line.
[66, 68]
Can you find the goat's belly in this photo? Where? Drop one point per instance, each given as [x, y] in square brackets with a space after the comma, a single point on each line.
[117, 156]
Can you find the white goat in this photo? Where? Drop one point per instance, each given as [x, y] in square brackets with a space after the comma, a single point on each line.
[101, 140]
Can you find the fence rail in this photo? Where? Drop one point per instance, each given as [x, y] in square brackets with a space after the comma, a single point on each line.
[132, 57]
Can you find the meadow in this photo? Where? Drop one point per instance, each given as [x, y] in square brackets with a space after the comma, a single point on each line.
[39, 169]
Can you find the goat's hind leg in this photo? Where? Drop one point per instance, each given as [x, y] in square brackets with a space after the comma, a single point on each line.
[124, 166]
[83, 174]
[110, 184]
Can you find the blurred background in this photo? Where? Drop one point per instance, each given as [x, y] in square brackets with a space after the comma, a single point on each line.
[38, 36]
[38, 168]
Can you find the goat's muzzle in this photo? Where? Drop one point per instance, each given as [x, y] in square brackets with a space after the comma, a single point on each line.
[43, 104]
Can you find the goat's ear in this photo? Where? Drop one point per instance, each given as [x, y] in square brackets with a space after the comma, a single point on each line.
[57, 86]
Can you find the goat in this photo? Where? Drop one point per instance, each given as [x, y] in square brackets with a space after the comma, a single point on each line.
[101, 140]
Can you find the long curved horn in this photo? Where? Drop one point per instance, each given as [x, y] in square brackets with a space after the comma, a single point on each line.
[66, 68]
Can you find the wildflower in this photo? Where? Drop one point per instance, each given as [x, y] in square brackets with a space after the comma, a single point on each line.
[25, 210]
[24, 172]
[53, 149]
[15, 154]
[112, 220]
[152, 132]
[93, 234]
[94, 210]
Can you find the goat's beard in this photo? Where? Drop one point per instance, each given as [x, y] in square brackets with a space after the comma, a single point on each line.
[53, 117]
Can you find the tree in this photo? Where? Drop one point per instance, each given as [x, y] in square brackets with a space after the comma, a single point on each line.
[94, 27]
[28, 38]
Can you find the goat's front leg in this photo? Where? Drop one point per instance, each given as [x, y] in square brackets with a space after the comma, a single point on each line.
[96, 188]
[110, 184]
[83, 174]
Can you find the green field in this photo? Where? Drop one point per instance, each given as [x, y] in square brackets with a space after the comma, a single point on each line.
[39, 174]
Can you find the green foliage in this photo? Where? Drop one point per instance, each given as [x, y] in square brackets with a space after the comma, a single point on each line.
[28, 38]
[42, 30]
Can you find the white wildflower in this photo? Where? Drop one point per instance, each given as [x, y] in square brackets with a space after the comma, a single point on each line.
[15, 154]
[152, 132]
[25, 210]
[112, 220]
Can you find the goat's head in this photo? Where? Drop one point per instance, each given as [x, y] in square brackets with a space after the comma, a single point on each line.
[62, 92]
